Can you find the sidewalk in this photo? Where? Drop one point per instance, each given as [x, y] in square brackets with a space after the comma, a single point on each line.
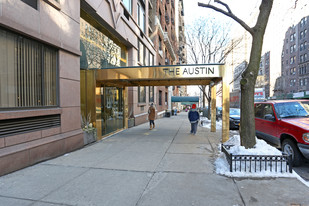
[165, 166]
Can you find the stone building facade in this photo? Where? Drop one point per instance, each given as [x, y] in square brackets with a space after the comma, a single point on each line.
[40, 81]
[51, 51]
[294, 61]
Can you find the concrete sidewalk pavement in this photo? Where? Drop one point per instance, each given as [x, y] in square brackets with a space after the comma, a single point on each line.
[165, 166]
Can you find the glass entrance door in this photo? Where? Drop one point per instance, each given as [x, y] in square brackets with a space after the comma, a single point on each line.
[109, 110]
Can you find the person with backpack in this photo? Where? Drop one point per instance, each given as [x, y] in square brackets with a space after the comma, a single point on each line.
[194, 118]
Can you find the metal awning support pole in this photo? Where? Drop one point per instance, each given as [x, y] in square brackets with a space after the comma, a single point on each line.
[225, 107]
[125, 97]
[213, 107]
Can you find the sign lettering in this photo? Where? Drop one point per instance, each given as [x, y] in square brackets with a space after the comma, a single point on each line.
[191, 71]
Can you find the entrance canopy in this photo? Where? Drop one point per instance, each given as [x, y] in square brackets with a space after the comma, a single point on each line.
[172, 75]
[167, 75]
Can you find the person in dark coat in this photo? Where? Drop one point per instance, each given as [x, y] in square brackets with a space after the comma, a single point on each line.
[151, 116]
[194, 118]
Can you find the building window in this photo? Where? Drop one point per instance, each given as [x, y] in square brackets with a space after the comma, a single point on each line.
[142, 94]
[293, 48]
[160, 97]
[32, 3]
[145, 55]
[160, 44]
[138, 49]
[292, 71]
[292, 60]
[128, 5]
[141, 53]
[151, 94]
[150, 59]
[28, 72]
[141, 17]
[292, 82]
[165, 97]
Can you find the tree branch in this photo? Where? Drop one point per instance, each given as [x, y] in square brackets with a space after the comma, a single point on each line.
[229, 14]
[225, 5]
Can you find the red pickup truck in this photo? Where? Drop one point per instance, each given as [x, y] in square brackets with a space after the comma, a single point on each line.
[285, 123]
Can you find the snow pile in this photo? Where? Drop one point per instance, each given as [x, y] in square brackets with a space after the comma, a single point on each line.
[261, 148]
[207, 123]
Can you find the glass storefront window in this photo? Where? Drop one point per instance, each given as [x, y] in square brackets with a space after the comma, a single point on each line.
[142, 94]
[109, 110]
[28, 72]
[151, 94]
[98, 50]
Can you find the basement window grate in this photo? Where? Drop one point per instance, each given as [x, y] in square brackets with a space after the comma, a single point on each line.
[11, 127]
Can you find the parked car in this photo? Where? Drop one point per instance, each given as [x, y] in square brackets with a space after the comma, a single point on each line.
[285, 123]
[219, 113]
[234, 118]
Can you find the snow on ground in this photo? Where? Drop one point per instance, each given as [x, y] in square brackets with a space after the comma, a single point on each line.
[261, 148]
[207, 123]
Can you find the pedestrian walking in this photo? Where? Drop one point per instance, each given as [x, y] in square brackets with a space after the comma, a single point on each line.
[151, 116]
[193, 117]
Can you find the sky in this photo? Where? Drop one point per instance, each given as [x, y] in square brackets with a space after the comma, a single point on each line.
[283, 15]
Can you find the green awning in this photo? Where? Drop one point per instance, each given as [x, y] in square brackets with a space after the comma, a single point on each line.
[185, 99]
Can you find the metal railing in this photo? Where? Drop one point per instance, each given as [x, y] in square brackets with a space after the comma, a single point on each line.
[257, 163]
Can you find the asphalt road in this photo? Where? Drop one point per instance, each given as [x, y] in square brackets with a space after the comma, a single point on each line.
[303, 171]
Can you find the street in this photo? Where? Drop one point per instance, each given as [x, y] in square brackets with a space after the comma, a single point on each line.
[303, 171]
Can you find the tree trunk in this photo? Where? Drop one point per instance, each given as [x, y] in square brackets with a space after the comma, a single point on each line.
[203, 92]
[209, 102]
[247, 121]
[247, 133]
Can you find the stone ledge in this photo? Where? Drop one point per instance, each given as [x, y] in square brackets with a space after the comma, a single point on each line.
[19, 156]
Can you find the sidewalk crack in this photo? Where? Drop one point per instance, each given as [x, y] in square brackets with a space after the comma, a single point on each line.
[239, 193]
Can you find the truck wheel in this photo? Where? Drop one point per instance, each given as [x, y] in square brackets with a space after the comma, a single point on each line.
[289, 147]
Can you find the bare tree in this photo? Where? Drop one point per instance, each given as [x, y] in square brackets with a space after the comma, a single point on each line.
[208, 42]
[247, 122]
